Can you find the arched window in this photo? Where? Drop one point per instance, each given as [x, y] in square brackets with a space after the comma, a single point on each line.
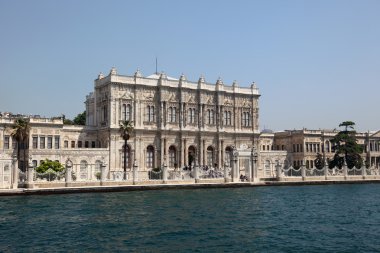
[210, 156]
[172, 157]
[83, 169]
[128, 157]
[97, 171]
[149, 157]
[228, 156]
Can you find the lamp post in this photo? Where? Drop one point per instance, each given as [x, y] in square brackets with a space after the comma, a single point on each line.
[126, 127]
[126, 138]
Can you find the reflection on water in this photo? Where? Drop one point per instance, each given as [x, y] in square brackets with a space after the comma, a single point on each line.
[267, 219]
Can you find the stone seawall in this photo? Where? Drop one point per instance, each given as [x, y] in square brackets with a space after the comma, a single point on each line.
[170, 186]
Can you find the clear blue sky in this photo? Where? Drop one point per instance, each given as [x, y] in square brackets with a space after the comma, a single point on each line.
[317, 63]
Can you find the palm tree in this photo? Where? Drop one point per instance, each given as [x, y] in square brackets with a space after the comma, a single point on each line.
[20, 132]
[126, 128]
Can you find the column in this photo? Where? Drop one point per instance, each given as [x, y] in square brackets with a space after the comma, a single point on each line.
[103, 173]
[30, 178]
[165, 172]
[201, 150]
[135, 172]
[226, 177]
[185, 153]
[15, 176]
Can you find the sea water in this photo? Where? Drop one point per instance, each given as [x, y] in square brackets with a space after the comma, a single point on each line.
[328, 218]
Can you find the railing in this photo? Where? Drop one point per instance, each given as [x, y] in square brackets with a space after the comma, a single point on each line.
[328, 173]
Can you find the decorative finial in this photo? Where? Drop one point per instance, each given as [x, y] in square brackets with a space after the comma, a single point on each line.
[219, 81]
[138, 73]
[113, 71]
[182, 77]
[100, 76]
[163, 75]
[235, 84]
[253, 85]
[201, 79]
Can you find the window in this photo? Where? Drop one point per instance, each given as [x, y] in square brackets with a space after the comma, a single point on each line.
[172, 157]
[79, 144]
[105, 113]
[66, 144]
[227, 118]
[56, 142]
[86, 144]
[42, 142]
[150, 113]
[6, 142]
[126, 112]
[34, 163]
[245, 120]
[172, 115]
[123, 111]
[191, 115]
[72, 144]
[50, 142]
[210, 117]
[93, 145]
[128, 161]
[14, 143]
[35, 142]
[149, 157]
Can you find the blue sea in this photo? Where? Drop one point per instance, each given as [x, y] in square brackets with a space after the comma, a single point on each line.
[328, 218]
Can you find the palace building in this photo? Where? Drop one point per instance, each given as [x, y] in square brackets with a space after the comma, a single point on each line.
[178, 123]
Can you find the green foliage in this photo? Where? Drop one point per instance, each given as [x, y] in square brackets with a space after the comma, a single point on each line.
[68, 122]
[126, 128]
[319, 162]
[20, 129]
[346, 147]
[80, 119]
[49, 164]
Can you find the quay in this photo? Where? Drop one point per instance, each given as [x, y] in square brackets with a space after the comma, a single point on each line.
[172, 186]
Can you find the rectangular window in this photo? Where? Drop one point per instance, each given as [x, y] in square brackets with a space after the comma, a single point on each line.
[79, 144]
[66, 144]
[50, 142]
[86, 144]
[14, 143]
[56, 142]
[35, 142]
[93, 145]
[6, 142]
[42, 142]
[72, 144]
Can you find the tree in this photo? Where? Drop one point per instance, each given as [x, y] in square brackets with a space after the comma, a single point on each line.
[49, 164]
[126, 128]
[20, 132]
[346, 147]
[319, 161]
[80, 119]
